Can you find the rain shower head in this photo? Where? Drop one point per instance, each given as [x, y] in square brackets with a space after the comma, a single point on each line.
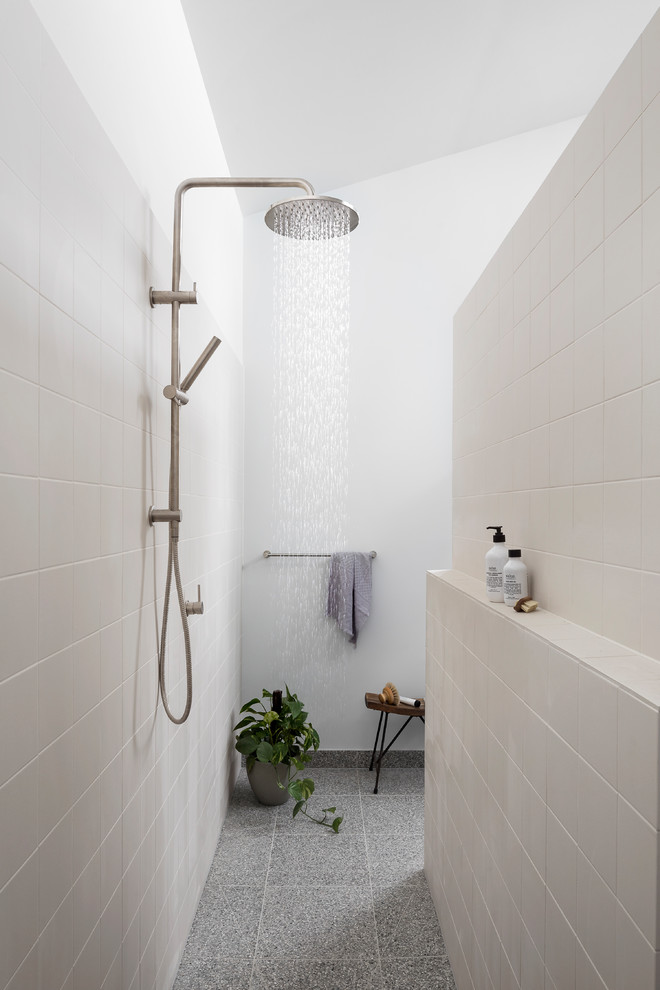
[312, 218]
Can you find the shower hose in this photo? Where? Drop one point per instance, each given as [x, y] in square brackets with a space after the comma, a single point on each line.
[173, 565]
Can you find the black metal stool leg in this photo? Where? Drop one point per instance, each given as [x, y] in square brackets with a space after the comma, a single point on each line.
[380, 720]
[380, 757]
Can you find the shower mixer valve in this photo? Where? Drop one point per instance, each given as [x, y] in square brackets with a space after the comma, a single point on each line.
[196, 608]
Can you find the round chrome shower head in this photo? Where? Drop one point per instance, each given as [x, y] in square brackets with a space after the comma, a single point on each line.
[312, 218]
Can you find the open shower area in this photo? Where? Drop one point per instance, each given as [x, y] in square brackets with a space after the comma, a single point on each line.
[190, 391]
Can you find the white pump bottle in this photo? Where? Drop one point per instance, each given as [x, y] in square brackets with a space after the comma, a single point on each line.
[496, 558]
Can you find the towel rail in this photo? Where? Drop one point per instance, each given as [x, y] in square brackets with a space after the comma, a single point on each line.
[269, 553]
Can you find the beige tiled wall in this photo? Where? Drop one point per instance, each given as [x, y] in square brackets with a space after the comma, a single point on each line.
[557, 374]
[541, 829]
[109, 814]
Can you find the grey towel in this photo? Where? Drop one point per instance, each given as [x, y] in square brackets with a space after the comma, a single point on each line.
[349, 591]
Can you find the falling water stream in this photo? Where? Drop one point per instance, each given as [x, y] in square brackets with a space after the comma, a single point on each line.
[310, 476]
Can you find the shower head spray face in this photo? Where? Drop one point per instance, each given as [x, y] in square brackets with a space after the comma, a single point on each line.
[312, 218]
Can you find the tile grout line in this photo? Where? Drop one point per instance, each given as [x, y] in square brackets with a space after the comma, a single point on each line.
[263, 902]
[371, 886]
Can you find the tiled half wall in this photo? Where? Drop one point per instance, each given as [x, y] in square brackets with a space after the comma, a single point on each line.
[541, 825]
[557, 374]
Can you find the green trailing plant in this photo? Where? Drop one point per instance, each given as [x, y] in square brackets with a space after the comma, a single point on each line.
[281, 734]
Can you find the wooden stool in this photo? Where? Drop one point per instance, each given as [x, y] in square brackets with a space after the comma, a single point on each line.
[371, 701]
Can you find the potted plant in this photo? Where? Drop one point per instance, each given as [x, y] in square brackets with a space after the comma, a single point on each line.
[277, 743]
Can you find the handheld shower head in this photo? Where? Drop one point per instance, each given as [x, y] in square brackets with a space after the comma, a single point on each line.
[200, 363]
[312, 218]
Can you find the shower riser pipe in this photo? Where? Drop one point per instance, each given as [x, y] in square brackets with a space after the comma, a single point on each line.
[175, 409]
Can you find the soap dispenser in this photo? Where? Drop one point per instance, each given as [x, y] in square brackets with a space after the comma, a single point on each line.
[496, 558]
[515, 578]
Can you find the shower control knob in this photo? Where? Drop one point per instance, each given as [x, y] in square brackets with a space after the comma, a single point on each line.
[196, 608]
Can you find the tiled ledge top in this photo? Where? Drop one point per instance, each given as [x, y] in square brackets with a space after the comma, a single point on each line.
[635, 672]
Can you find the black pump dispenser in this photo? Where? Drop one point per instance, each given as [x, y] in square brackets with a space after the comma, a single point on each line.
[498, 535]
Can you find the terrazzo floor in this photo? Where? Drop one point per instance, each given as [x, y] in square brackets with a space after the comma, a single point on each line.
[290, 906]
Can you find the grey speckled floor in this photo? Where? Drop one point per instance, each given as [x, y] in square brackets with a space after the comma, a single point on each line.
[291, 906]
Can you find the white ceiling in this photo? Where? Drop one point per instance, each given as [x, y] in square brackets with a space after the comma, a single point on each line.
[346, 90]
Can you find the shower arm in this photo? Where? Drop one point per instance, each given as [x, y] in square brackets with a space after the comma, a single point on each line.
[219, 183]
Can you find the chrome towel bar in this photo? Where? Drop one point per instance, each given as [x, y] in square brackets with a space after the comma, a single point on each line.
[269, 553]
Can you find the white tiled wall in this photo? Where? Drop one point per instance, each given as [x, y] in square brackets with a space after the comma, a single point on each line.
[109, 814]
[557, 374]
[542, 767]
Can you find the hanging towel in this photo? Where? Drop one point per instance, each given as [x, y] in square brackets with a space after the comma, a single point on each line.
[349, 591]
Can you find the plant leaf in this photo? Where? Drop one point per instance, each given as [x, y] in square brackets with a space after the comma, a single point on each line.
[297, 807]
[266, 694]
[296, 791]
[244, 721]
[336, 823]
[330, 811]
[307, 787]
[248, 704]
[247, 745]
[281, 751]
[264, 751]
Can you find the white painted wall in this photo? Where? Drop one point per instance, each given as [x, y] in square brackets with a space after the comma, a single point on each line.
[109, 814]
[424, 234]
[136, 65]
